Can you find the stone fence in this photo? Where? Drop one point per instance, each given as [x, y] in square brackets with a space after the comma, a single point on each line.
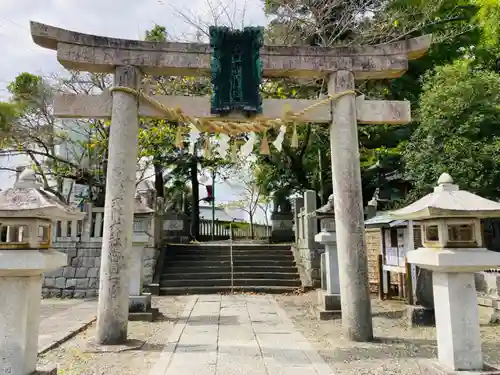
[82, 240]
[307, 251]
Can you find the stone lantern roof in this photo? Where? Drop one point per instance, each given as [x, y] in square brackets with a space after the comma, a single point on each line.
[27, 199]
[140, 208]
[447, 200]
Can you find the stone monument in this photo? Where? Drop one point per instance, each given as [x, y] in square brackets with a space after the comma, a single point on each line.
[139, 302]
[453, 250]
[329, 294]
[282, 218]
[27, 211]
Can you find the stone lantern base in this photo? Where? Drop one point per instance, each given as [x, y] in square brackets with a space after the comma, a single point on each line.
[435, 368]
[140, 308]
[21, 286]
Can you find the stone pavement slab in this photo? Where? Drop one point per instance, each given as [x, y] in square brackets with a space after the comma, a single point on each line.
[62, 319]
[240, 335]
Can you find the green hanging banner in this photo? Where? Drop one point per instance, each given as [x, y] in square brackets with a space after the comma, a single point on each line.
[236, 70]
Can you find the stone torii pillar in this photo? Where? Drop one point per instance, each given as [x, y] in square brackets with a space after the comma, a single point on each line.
[113, 306]
[342, 66]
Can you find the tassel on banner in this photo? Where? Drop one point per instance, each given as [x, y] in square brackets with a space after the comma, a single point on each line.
[206, 149]
[295, 137]
[234, 152]
[264, 145]
[179, 141]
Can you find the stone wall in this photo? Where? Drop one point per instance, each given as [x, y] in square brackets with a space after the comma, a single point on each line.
[80, 278]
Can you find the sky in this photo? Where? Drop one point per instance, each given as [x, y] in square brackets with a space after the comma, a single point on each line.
[122, 19]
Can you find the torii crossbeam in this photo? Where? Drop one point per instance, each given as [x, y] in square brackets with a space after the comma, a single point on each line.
[128, 59]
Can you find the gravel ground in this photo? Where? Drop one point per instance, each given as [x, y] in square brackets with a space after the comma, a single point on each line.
[78, 356]
[396, 349]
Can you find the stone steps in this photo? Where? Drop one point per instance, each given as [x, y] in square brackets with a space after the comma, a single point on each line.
[227, 282]
[225, 275]
[176, 291]
[236, 263]
[200, 269]
[223, 257]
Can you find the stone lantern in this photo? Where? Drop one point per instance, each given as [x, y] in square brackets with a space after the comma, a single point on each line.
[329, 294]
[139, 302]
[26, 216]
[453, 250]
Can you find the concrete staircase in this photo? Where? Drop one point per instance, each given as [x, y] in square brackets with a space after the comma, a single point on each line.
[206, 268]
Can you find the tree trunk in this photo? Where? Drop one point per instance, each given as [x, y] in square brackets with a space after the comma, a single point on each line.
[252, 234]
[195, 211]
[159, 182]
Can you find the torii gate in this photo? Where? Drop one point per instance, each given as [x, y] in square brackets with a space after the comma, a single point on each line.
[128, 59]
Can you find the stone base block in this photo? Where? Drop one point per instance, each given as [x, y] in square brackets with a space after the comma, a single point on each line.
[432, 367]
[45, 371]
[282, 236]
[494, 304]
[328, 306]
[419, 316]
[140, 303]
[147, 316]
[154, 289]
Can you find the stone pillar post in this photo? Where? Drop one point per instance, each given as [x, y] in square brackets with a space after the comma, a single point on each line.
[349, 218]
[112, 313]
[457, 324]
[21, 285]
[297, 204]
[311, 223]
[329, 298]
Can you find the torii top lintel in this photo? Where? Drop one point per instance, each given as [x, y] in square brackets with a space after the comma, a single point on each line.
[86, 52]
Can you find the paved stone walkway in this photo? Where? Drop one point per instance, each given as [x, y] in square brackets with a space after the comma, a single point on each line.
[243, 335]
[60, 319]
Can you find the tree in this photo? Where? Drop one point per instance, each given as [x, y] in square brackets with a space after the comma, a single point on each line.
[35, 132]
[252, 197]
[458, 132]
[333, 23]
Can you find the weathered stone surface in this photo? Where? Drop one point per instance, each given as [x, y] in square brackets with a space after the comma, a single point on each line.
[77, 51]
[60, 282]
[69, 272]
[76, 262]
[89, 252]
[112, 314]
[78, 293]
[56, 273]
[71, 283]
[99, 106]
[93, 282]
[349, 216]
[67, 280]
[81, 272]
[423, 289]
[93, 272]
[67, 293]
[49, 282]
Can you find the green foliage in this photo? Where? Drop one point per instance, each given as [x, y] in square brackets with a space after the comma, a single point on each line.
[459, 131]
[26, 88]
[9, 113]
